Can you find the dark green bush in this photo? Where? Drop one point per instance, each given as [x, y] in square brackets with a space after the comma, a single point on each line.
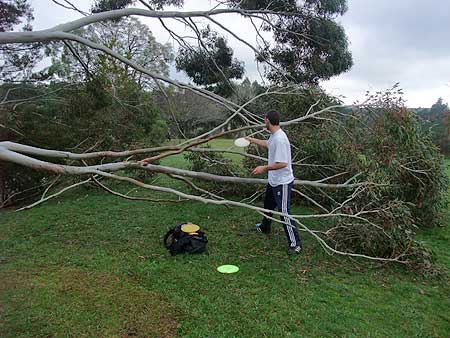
[74, 117]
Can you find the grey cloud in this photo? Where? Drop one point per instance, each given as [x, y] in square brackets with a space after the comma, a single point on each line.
[397, 41]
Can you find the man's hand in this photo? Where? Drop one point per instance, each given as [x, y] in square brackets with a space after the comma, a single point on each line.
[264, 168]
[257, 141]
[259, 170]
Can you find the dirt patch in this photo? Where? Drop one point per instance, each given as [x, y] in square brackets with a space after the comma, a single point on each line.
[16, 280]
[143, 313]
[84, 304]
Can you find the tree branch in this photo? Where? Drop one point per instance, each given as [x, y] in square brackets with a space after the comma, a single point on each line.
[43, 199]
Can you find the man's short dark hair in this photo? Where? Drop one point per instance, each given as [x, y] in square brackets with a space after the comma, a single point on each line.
[273, 117]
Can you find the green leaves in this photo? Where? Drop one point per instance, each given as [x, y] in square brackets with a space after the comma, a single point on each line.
[309, 44]
[13, 12]
[211, 64]
[108, 5]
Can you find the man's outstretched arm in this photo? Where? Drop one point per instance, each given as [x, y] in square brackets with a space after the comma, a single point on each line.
[261, 143]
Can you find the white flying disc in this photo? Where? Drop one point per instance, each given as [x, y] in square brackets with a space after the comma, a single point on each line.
[241, 142]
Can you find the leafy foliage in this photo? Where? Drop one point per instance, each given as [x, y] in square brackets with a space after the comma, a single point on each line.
[211, 64]
[13, 12]
[108, 5]
[75, 117]
[309, 44]
[386, 144]
[438, 119]
[17, 62]
[128, 37]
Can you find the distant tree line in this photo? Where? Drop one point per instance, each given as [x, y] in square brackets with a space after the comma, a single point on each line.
[438, 119]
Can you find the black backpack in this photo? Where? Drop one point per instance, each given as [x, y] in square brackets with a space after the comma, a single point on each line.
[178, 241]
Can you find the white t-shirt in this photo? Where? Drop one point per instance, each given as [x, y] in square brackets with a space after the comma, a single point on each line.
[280, 151]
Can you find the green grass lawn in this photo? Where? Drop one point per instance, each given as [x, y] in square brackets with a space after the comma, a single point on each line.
[92, 265]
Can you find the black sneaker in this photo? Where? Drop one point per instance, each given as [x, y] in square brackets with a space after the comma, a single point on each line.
[294, 250]
[259, 228]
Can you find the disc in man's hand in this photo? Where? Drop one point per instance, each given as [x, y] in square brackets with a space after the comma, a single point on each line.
[241, 142]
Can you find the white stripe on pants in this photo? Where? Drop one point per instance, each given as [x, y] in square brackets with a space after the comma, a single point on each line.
[287, 219]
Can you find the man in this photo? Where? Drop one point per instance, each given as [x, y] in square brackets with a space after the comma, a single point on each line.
[281, 179]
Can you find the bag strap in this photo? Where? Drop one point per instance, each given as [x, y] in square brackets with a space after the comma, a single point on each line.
[166, 237]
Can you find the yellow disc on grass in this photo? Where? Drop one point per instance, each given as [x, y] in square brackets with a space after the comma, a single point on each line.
[189, 227]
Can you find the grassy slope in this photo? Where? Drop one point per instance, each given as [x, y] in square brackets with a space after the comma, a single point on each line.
[91, 265]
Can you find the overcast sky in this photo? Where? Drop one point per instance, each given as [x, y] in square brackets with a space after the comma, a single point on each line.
[392, 41]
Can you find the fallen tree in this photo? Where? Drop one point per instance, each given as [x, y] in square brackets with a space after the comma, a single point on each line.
[345, 187]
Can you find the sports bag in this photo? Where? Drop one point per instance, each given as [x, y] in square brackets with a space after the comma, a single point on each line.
[177, 241]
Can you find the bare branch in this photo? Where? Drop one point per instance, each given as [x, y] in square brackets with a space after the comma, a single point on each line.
[44, 199]
[241, 180]
[11, 156]
[311, 200]
[195, 187]
[133, 198]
